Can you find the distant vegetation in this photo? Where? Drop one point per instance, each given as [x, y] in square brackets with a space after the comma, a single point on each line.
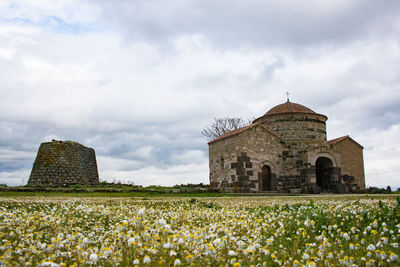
[118, 189]
[112, 190]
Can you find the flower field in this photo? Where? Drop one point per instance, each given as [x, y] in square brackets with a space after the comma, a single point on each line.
[199, 231]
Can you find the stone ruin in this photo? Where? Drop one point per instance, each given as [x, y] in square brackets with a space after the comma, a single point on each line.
[63, 163]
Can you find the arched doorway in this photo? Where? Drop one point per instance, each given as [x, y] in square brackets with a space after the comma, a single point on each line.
[324, 171]
[266, 178]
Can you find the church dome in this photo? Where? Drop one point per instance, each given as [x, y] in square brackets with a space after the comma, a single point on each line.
[289, 107]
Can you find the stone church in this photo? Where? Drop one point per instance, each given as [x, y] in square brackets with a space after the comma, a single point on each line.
[286, 150]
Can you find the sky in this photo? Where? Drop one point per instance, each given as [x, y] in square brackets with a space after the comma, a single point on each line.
[138, 80]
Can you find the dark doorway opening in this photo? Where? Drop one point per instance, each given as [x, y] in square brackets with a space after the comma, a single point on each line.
[266, 178]
[324, 171]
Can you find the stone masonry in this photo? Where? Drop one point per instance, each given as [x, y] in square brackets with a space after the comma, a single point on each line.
[286, 150]
[63, 163]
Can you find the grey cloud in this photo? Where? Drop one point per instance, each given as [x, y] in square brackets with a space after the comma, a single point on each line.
[140, 90]
[290, 23]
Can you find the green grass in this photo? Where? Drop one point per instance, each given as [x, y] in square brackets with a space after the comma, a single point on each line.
[109, 194]
[150, 194]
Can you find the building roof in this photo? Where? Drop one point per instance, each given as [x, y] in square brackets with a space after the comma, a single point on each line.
[339, 139]
[231, 133]
[334, 141]
[289, 107]
[237, 131]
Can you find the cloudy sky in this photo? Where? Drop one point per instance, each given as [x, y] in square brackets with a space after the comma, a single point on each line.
[138, 80]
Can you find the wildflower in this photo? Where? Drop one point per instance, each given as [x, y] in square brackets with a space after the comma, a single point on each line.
[49, 264]
[141, 212]
[93, 257]
[161, 222]
[177, 262]
[146, 259]
[346, 236]
[393, 257]
[189, 258]
[232, 253]
[107, 251]
[136, 262]
[131, 241]
[172, 253]
[371, 248]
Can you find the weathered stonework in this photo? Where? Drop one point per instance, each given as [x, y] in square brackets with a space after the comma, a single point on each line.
[62, 163]
[286, 150]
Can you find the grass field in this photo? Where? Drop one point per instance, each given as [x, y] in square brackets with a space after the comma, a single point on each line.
[87, 229]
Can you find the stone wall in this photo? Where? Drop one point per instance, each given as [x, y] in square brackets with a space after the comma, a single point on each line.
[289, 144]
[62, 163]
[352, 164]
[236, 162]
[309, 128]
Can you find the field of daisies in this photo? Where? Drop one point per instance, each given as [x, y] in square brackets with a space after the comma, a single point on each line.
[256, 231]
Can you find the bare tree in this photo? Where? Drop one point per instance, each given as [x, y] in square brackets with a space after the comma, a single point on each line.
[223, 125]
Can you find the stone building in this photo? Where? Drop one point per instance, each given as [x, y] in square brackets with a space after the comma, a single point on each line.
[286, 150]
[63, 163]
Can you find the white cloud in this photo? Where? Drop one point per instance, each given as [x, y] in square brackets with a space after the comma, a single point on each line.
[139, 89]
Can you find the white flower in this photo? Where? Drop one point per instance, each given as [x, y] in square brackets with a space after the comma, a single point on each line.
[142, 212]
[136, 262]
[371, 247]
[131, 241]
[346, 236]
[172, 253]
[393, 257]
[146, 259]
[217, 242]
[166, 245]
[93, 257]
[232, 253]
[240, 244]
[161, 221]
[177, 262]
[46, 263]
[107, 251]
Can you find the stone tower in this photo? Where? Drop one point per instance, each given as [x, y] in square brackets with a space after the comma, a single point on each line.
[63, 163]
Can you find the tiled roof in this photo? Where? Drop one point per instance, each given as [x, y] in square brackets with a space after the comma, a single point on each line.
[237, 131]
[231, 133]
[337, 140]
[334, 141]
[288, 107]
